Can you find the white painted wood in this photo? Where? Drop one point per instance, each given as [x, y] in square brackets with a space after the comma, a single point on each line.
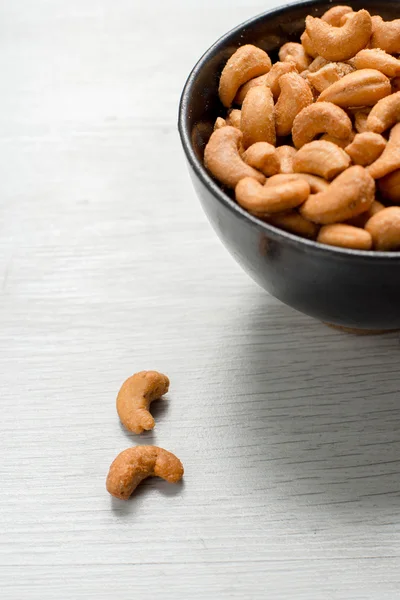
[289, 432]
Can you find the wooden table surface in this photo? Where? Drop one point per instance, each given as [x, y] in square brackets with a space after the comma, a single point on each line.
[289, 431]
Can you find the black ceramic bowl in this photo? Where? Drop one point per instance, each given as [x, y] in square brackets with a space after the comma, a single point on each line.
[351, 288]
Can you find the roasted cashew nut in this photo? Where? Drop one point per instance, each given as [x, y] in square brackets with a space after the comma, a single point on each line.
[386, 35]
[294, 223]
[366, 148]
[135, 464]
[294, 53]
[272, 78]
[263, 157]
[349, 195]
[246, 63]
[317, 184]
[389, 160]
[321, 158]
[341, 142]
[234, 118]
[361, 220]
[317, 64]
[242, 91]
[389, 187]
[375, 58]
[286, 156]
[258, 117]
[323, 117]
[223, 160]
[360, 88]
[261, 200]
[295, 95]
[345, 236]
[384, 228]
[339, 43]
[384, 114]
[328, 75]
[136, 395]
[334, 15]
[360, 119]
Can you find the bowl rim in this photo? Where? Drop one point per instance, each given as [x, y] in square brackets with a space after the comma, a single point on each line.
[213, 186]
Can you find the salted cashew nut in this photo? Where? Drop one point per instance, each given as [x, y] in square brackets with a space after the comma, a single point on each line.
[295, 53]
[258, 117]
[219, 122]
[323, 117]
[276, 72]
[242, 91]
[345, 236]
[317, 184]
[246, 63]
[329, 74]
[360, 88]
[339, 43]
[223, 160]
[136, 395]
[341, 142]
[263, 157]
[134, 465]
[321, 158]
[234, 118]
[286, 156]
[389, 187]
[334, 15]
[386, 35]
[389, 160]
[366, 148]
[360, 119]
[295, 95]
[384, 114]
[261, 200]
[317, 64]
[384, 228]
[349, 195]
[375, 58]
[294, 223]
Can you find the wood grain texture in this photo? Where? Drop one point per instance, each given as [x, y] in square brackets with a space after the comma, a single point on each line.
[289, 431]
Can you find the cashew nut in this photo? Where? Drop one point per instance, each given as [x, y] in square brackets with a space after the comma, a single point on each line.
[345, 236]
[135, 464]
[317, 184]
[276, 72]
[294, 53]
[384, 228]
[295, 95]
[334, 15]
[389, 187]
[360, 88]
[286, 156]
[263, 157]
[375, 58]
[339, 43]
[223, 160]
[349, 195]
[321, 158]
[341, 142]
[366, 148]
[259, 199]
[389, 160]
[258, 118]
[246, 63]
[360, 119]
[317, 64]
[234, 118]
[241, 95]
[294, 223]
[384, 114]
[386, 35]
[323, 117]
[329, 74]
[361, 220]
[219, 122]
[136, 395]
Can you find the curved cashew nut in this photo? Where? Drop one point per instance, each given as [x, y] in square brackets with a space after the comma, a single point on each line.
[276, 72]
[242, 91]
[286, 156]
[135, 397]
[323, 117]
[258, 118]
[334, 15]
[375, 58]
[234, 118]
[389, 160]
[386, 35]
[384, 114]
[389, 187]
[360, 88]
[328, 75]
[384, 228]
[135, 464]
[222, 158]
[294, 223]
[246, 63]
[340, 43]
[360, 119]
[259, 199]
[341, 142]
[317, 64]
[317, 184]
[345, 236]
[295, 95]
[294, 53]
[263, 157]
[349, 195]
[321, 158]
[366, 148]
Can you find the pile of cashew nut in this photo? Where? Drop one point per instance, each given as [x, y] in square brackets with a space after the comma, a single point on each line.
[311, 144]
[135, 464]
